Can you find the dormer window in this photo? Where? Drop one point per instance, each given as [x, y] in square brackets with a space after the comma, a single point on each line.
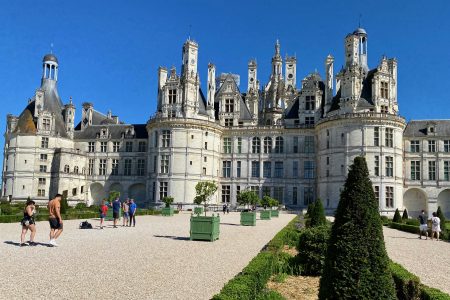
[46, 124]
[172, 96]
[431, 129]
[229, 105]
[310, 102]
[384, 90]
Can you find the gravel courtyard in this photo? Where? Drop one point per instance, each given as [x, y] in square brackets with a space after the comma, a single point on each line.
[430, 260]
[154, 260]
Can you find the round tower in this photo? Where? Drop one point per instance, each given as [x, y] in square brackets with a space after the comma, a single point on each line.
[50, 67]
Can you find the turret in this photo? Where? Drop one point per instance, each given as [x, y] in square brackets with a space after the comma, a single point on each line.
[162, 79]
[190, 79]
[50, 67]
[329, 63]
[356, 49]
[277, 61]
[252, 76]
[290, 72]
[69, 117]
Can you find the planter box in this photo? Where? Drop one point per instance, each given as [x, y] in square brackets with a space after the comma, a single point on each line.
[248, 218]
[167, 211]
[198, 210]
[275, 213]
[265, 215]
[205, 228]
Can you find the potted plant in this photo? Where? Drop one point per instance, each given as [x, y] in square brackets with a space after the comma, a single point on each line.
[274, 212]
[266, 202]
[167, 210]
[247, 198]
[204, 227]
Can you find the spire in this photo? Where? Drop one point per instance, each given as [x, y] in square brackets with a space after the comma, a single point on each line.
[277, 48]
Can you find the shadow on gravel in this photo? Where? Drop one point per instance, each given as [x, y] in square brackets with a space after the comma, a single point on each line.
[401, 237]
[18, 244]
[178, 238]
[230, 224]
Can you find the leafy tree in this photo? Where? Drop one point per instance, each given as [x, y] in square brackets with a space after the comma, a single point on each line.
[317, 215]
[64, 205]
[204, 190]
[167, 201]
[247, 198]
[441, 216]
[274, 203]
[397, 218]
[356, 263]
[113, 195]
[405, 215]
[267, 201]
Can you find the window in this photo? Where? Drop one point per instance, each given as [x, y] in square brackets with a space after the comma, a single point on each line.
[389, 166]
[267, 169]
[377, 166]
[103, 146]
[66, 169]
[390, 196]
[205, 159]
[376, 190]
[46, 124]
[91, 167]
[279, 144]
[308, 195]
[384, 90]
[309, 120]
[164, 168]
[156, 139]
[226, 168]
[267, 145]
[41, 193]
[432, 146]
[328, 160]
[129, 146]
[102, 167]
[309, 144]
[294, 195]
[43, 157]
[204, 171]
[256, 145]
[295, 169]
[116, 146]
[142, 146]
[227, 145]
[238, 189]
[74, 191]
[278, 193]
[384, 109]
[75, 170]
[238, 168]
[255, 188]
[83, 171]
[44, 142]
[447, 146]
[266, 191]
[166, 135]
[115, 167]
[206, 145]
[415, 146]
[42, 181]
[172, 96]
[255, 169]
[431, 170]
[310, 102]
[376, 136]
[226, 193]
[163, 189]
[81, 189]
[446, 170]
[239, 145]
[295, 145]
[91, 147]
[309, 169]
[279, 170]
[415, 170]
[389, 139]
[140, 167]
[228, 122]
[127, 167]
[229, 105]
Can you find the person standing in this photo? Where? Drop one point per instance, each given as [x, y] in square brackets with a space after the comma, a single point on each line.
[224, 208]
[28, 223]
[103, 212]
[423, 227]
[435, 226]
[55, 220]
[116, 205]
[132, 212]
[125, 210]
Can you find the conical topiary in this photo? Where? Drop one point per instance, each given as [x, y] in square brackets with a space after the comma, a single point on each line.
[317, 215]
[397, 218]
[405, 215]
[356, 263]
[441, 216]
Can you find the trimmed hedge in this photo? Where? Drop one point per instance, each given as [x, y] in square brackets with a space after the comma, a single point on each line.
[405, 227]
[287, 236]
[429, 293]
[312, 247]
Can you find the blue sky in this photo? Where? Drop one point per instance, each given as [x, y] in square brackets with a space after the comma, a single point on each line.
[109, 51]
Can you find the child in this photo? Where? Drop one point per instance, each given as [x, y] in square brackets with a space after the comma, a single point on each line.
[103, 211]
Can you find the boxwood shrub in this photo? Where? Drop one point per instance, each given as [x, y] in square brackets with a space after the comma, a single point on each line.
[312, 247]
[407, 285]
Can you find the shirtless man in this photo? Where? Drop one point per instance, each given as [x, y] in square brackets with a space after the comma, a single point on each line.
[55, 220]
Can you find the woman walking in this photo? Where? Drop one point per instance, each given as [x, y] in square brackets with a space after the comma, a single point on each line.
[435, 226]
[28, 223]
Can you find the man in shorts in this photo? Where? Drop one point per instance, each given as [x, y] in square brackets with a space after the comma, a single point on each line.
[116, 205]
[54, 218]
[423, 227]
[125, 209]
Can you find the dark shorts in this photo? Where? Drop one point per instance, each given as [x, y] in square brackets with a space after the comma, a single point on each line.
[27, 222]
[54, 223]
[115, 214]
[125, 214]
[102, 216]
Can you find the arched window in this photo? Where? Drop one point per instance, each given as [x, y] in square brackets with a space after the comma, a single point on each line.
[75, 169]
[279, 144]
[66, 169]
[256, 145]
[267, 145]
[83, 171]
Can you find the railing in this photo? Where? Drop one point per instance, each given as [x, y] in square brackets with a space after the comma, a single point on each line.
[363, 115]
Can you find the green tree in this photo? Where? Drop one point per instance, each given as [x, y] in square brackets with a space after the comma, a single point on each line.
[167, 201]
[312, 247]
[204, 191]
[64, 205]
[247, 198]
[356, 263]
[267, 201]
[397, 218]
[405, 215]
[441, 216]
[317, 215]
[113, 195]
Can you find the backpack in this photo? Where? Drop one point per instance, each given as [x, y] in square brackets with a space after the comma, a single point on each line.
[85, 225]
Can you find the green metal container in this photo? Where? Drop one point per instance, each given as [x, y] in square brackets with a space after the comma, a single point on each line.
[198, 210]
[248, 218]
[265, 215]
[205, 228]
[275, 213]
[167, 211]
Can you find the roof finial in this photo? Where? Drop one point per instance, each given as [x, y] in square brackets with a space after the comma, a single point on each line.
[189, 33]
[51, 48]
[70, 99]
[359, 21]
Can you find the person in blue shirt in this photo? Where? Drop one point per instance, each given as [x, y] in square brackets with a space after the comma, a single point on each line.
[116, 205]
[132, 212]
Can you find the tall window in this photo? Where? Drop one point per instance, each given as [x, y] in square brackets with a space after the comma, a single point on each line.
[309, 169]
[115, 167]
[164, 164]
[172, 96]
[102, 167]
[384, 90]
[41, 193]
[142, 146]
[76, 169]
[91, 167]
[309, 144]
[267, 169]
[389, 139]
[267, 145]
[376, 190]
[127, 167]
[44, 142]
[376, 136]
[116, 146]
[103, 146]
[377, 165]
[295, 145]
[432, 146]
[238, 168]
[43, 168]
[166, 138]
[163, 189]
[447, 146]
[255, 169]
[256, 145]
[279, 144]
[43, 157]
[308, 195]
[140, 167]
[66, 169]
[278, 193]
[239, 145]
[446, 170]
[415, 170]
[42, 181]
[228, 122]
[129, 146]
[295, 169]
[415, 146]
[226, 168]
[266, 191]
[390, 196]
[310, 102]
[46, 124]
[294, 195]
[279, 170]
[229, 105]
[389, 166]
[431, 170]
[227, 145]
[226, 195]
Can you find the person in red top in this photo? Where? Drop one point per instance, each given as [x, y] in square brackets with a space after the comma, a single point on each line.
[103, 211]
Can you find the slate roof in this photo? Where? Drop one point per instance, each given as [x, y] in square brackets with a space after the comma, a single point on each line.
[419, 128]
[293, 112]
[115, 131]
